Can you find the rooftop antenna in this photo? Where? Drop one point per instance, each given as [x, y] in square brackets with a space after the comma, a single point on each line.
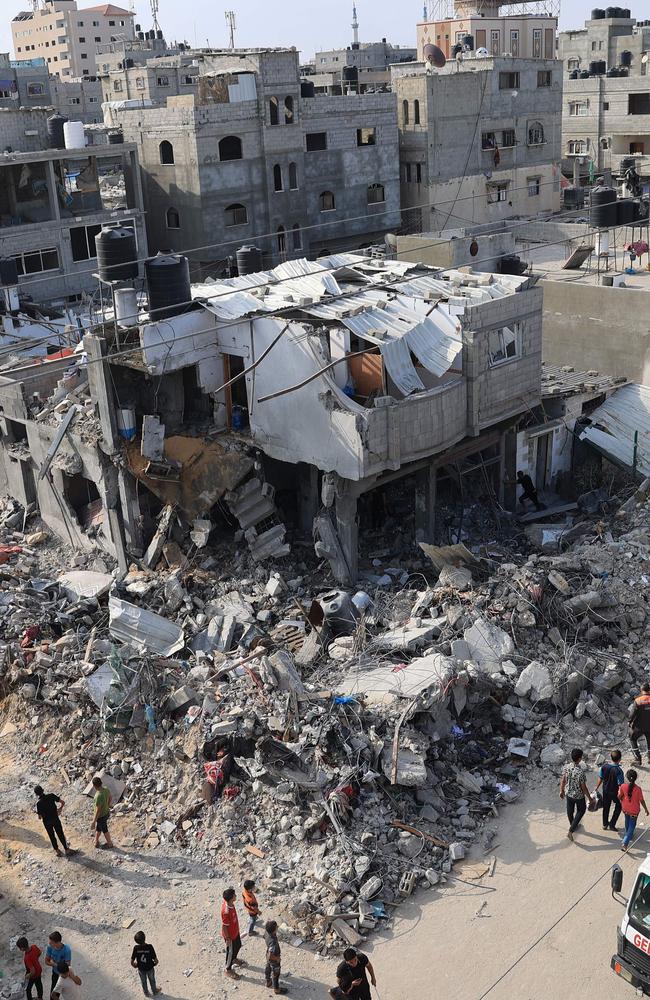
[231, 21]
[154, 14]
[355, 27]
[35, 5]
[425, 12]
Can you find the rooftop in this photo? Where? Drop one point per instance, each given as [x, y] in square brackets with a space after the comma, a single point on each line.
[108, 9]
[564, 380]
[549, 261]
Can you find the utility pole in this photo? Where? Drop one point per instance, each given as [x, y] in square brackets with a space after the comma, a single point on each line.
[231, 21]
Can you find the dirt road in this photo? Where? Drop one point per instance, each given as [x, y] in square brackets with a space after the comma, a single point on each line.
[438, 948]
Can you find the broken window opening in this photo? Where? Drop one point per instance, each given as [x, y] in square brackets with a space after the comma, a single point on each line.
[293, 177]
[173, 219]
[536, 134]
[366, 136]
[236, 394]
[197, 406]
[83, 497]
[230, 148]
[274, 111]
[315, 141]
[327, 202]
[376, 194]
[16, 431]
[504, 344]
[288, 111]
[166, 152]
[82, 241]
[277, 177]
[236, 215]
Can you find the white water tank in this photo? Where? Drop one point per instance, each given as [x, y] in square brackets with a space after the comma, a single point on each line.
[74, 135]
[126, 307]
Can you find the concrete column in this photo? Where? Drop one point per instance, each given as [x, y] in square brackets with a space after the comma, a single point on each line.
[131, 518]
[51, 190]
[425, 503]
[308, 496]
[100, 390]
[347, 527]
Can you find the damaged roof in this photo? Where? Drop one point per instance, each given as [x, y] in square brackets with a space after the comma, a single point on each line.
[620, 428]
[564, 380]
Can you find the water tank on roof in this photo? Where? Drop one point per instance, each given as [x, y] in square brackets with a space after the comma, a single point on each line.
[602, 207]
[625, 212]
[168, 281]
[116, 137]
[593, 68]
[511, 263]
[597, 14]
[55, 136]
[612, 72]
[623, 71]
[626, 13]
[626, 162]
[159, 35]
[468, 42]
[626, 57]
[574, 74]
[602, 66]
[249, 260]
[307, 88]
[116, 254]
[74, 135]
[610, 12]
[584, 74]
[141, 36]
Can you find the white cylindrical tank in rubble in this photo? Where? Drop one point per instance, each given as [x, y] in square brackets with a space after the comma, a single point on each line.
[126, 307]
[126, 425]
[74, 135]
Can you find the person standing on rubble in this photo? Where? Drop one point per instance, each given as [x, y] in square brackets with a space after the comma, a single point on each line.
[352, 975]
[49, 808]
[230, 932]
[611, 777]
[103, 802]
[573, 787]
[639, 721]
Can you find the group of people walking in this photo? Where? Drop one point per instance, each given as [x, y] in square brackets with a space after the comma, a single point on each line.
[58, 956]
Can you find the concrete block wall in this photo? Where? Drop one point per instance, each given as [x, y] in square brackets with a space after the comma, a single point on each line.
[17, 126]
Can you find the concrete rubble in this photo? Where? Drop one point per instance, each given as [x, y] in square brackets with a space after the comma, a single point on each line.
[373, 732]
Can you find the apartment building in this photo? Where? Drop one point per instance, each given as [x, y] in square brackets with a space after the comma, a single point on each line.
[480, 140]
[519, 29]
[67, 36]
[606, 104]
[24, 85]
[238, 155]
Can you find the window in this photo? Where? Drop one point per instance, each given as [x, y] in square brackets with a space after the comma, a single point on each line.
[35, 89]
[407, 173]
[327, 202]
[416, 112]
[277, 177]
[508, 138]
[166, 151]
[82, 39]
[544, 78]
[497, 192]
[74, 100]
[578, 109]
[577, 147]
[37, 261]
[187, 81]
[315, 141]
[508, 81]
[405, 112]
[230, 148]
[163, 81]
[274, 111]
[293, 177]
[573, 64]
[488, 140]
[534, 186]
[117, 86]
[282, 239]
[95, 24]
[376, 194]
[288, 111]
[535, 134]
[366, 137]
[605, 105]
[93, 100]
[504, 344]
[80, 24]
[296, 237]
[84, 55]
[82, 240]
[139, 83]
[418, 173]
[514, 42]
[173, 219]
[638, 104]
[98, 38]
[236, 215]
[111, 24]
[605, 143]
[594, 46]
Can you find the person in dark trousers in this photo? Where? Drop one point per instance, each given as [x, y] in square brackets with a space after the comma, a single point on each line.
[352, 975]
[573, 787]
[273, 957]
[56, 952]
[611, 777]
[632, 799]
[230, 932]
[33, 969]
[639, 721]
[49, 807]
[528, 491]
[145, 960]
[102, 801]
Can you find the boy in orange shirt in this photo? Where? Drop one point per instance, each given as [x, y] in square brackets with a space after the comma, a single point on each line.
[251, 905]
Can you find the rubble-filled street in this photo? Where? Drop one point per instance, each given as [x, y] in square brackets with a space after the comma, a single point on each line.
[344, 750]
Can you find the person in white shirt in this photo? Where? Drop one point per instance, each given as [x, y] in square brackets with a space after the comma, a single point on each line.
[68, 986]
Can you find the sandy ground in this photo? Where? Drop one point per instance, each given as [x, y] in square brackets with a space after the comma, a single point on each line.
[440, 946]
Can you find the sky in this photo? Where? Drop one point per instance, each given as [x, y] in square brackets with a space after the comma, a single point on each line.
[307, 25]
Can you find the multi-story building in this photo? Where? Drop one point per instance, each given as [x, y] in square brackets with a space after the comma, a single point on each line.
[479, 140]
[66, 36]
[79, 100]
[53, 202]
[523, 32]
[606, 105]
[243, 157]
[24, 85]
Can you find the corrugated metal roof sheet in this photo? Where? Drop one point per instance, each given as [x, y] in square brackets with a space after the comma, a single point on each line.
[614, 424]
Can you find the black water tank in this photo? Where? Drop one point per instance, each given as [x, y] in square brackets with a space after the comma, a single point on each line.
[626, 57]
[623, 71]
[249, 260]
[602, 207]
[116, 254]
[597, 14]
[307, 88]
[159, 35]
[584, 74]
[456, 49]
[612, 72]
[468, 42]
[602, 66]
[511, 263]
[351, 74]
[574, 74]
[626, 13]
[55, 137]
[141, 36]
[610, 12]
[116, 137]
[625, 212]
[168, 281]
[593, 68]
[8, 271]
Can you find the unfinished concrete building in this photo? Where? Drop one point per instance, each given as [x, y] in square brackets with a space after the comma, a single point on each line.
[606, 105]
[245, 155]
[479, 140]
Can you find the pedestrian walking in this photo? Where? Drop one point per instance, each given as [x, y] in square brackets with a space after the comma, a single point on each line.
[352, 974]
[49, 807]
[251, 905]
[230, 932]
[145, 960]
[103, 801]
[631, 798]
[528, 491]
[573, 787]
[56, 952]
[68, 986]
[611, 777]
[639, 722]
[273, 957]
[33, 968]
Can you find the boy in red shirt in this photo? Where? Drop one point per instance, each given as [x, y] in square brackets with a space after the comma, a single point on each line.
[33, 970]
[230, 932]
[631, 799]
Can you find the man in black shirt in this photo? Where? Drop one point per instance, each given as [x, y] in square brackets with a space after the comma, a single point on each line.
[145, 960]
[352, 975]
[528, 491]
[47, 809]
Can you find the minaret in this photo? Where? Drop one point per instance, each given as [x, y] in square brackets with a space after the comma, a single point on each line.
[425, 12]
[355, 27]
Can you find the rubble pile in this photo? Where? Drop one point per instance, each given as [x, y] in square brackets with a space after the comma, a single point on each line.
[342, 747]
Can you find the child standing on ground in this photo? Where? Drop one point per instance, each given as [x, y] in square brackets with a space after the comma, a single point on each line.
[103, 801]
[251, 905]
[273, 957]
[56, 952]
[631, 799]
[145, 960]
[33, 969]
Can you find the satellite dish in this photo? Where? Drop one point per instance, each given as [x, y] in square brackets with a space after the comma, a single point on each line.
[644, 58]
[482, 53]
[434, 56]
